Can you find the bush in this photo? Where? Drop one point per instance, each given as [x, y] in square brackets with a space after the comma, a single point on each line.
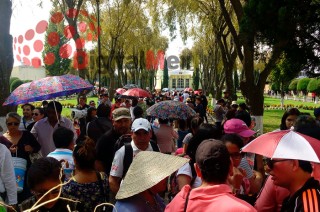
[16, 83]
[12, 79]
[26, 81]
[314, 85]
[293, 85]
[303, 84]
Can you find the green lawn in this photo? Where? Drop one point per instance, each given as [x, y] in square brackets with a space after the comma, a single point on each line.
[271, 117]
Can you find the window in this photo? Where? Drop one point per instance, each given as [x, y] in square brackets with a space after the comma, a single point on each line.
[180, 83]
[187, 83]
[174, 83]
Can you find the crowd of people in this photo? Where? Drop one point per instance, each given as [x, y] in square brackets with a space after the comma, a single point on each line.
[117, 154]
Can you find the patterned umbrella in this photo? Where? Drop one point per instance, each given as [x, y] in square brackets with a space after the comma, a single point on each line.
[137, 92]
[171, 109]
[47, 88]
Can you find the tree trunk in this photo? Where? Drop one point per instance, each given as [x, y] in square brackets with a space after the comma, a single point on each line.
[6, 53]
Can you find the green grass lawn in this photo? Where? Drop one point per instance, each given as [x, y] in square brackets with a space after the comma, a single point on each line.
[271, 117]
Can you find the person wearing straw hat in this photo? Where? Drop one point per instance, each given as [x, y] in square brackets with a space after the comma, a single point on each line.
[213, 165]
[44, 128]
[145, 178]
[141, 136]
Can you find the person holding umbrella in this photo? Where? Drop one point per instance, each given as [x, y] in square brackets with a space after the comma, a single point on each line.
[44, 128]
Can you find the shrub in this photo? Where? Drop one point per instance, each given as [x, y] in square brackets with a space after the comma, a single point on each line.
[16, 83]
[12, 79]
[314, 85]
[303, 84]
[293, 85]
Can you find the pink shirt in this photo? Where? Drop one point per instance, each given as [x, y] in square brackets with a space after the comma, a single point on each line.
[210, 198]
[165, 135]
[271, 196]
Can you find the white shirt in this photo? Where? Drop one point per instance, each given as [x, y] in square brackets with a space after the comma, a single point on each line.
[43, 132]
[24, 123]
[7, 176]
[186, 170]
[117, 163]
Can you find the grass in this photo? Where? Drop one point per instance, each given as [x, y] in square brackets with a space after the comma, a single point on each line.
[271, 117]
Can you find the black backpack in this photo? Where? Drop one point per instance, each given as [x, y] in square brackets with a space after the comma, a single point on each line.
[128, 156]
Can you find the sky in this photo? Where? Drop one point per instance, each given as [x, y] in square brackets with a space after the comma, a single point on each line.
[28, 29]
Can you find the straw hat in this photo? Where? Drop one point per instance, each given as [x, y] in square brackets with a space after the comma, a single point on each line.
[148, 169]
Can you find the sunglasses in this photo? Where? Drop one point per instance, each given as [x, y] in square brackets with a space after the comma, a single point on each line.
[13, 124]
[270, 163]
[35, 114]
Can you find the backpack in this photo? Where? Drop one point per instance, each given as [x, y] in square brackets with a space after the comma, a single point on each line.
[128, 156]
[122, 140]
[173, 186]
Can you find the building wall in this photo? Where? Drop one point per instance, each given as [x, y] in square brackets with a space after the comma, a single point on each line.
[28, 72]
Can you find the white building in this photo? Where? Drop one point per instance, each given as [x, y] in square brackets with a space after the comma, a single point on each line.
[179, 79]
[24, 72]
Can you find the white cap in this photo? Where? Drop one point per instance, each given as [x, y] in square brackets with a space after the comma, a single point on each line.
[140, 123]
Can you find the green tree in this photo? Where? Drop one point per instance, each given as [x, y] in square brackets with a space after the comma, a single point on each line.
[165, 81]
[60, 66]
[302, 86]
[6, 53]
[196, 79]
[314, 85]
[185, 59]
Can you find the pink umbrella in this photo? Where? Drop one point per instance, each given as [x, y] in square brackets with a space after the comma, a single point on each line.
[121, 90]
[285, 144]
[196, 92]
[137, 92]
[188, 89]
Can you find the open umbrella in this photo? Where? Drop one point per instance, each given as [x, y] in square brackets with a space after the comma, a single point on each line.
[47, 88]
[188, 89]
[137, 92]
[285, 144]
[121, 90]
[171, 109]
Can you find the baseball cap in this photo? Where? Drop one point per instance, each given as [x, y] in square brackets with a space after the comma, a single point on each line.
[239, 127]
[121, 113]
[139, 124]
[234, 103]
[212, 156]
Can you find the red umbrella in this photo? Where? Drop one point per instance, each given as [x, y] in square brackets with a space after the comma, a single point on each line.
[188, 89]
[285, 144]
[196, 92]
[121, 90]
[137, 92]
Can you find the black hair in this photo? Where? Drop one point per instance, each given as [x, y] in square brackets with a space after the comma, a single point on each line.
[195, 123]
[138, 112]
[84, 154]
[244, 116]
[305, 166]
[43, 169]
[62, 137]
[233, 138]
[45, 102]
[103, 110]
[134, 102]
[205, 131]
[89, 113]
[28, 104]
[292, 111]
[55, 104]
[182, 124]
[163, 121]
[41, 110]
[221, 101]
